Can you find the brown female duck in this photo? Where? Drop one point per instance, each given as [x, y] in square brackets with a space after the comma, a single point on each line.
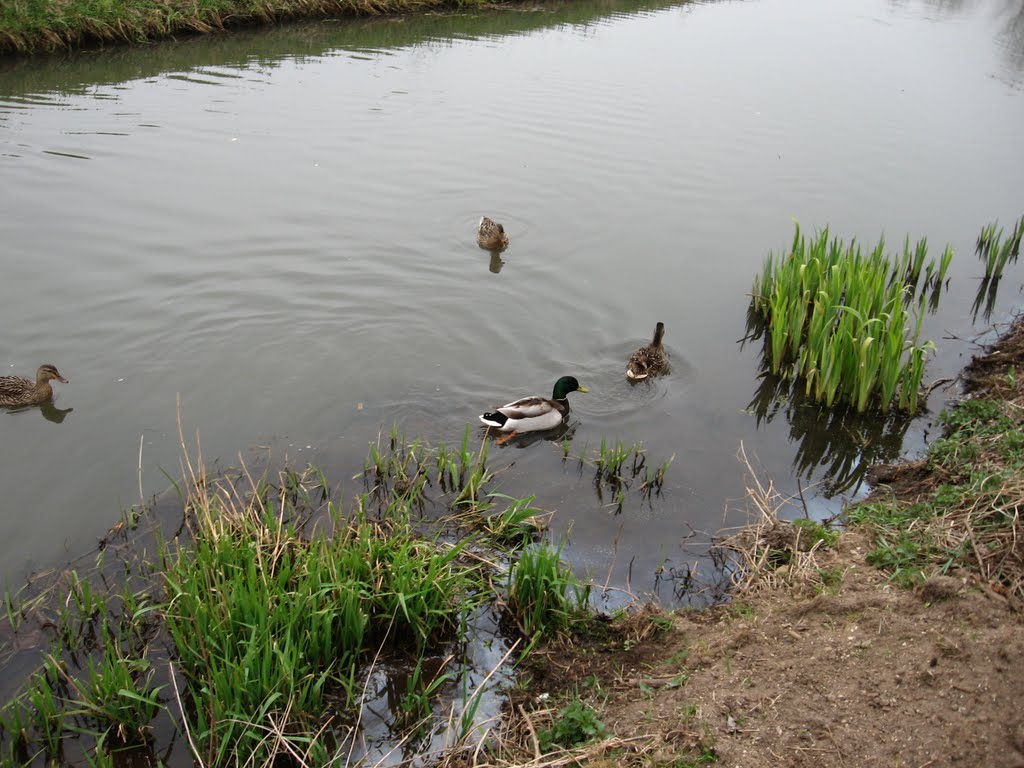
[491, 235]
[17, 390]
[650, 360]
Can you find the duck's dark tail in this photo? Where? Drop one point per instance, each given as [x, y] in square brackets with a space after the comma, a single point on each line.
[659, 334]
[494, 419]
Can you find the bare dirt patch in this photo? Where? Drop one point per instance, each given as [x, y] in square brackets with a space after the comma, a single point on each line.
[863, 673]
[858, 673]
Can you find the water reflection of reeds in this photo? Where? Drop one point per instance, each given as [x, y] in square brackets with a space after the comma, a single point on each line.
[995, 252]
[835, 446]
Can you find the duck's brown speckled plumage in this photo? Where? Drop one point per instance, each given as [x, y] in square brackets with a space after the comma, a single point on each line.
[17, 390]
[491, 235]
[650, 360]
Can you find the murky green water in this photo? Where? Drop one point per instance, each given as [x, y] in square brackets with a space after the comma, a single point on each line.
[277, 226]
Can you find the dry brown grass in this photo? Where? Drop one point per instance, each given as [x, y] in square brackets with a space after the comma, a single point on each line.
[771, 553]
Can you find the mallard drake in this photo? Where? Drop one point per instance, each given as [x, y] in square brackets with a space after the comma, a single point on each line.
[535, 413]
[650, 360]
[491, 235]
[17, 390]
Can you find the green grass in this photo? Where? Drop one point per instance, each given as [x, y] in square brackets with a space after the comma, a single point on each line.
[283, 621]
[617, 467]
[846, 322]
[252, 627]
[968, 517]
[577, 723]
[811, 532]
[31, 26]
[544, 596]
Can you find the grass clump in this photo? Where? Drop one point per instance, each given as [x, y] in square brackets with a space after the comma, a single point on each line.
[770, 552]
[96, 683]
[617, 467]
[544, 596]
[267, 624]
[995, 253]
[842, 320]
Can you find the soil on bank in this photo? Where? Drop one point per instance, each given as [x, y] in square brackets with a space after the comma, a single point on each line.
[822, 662]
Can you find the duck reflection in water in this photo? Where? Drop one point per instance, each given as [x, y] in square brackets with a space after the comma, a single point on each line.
[565, 431]
[50, 411]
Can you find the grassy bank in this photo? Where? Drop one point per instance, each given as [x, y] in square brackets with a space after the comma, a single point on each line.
[958, 509]
[34, 26]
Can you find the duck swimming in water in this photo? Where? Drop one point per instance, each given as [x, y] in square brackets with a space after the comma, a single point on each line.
[17, 390]
[534, 413]
[650, 360]
[491, 235]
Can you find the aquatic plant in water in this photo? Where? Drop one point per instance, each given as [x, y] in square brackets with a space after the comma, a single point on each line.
[252, 625]
[848, 323]
[994, 251]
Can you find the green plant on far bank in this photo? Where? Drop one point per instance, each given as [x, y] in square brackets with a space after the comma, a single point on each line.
[968, 517]
[49, 25]
[544, 597]
[842, 320]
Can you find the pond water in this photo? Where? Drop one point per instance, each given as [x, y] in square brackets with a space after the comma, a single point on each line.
[277, 226]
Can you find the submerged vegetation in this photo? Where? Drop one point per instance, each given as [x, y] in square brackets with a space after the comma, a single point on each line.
[842, 321]
[253, 628]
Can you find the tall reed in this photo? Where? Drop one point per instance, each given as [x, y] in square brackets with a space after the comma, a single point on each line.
[848, 322]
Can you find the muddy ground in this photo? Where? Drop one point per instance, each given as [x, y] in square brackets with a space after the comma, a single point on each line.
[827, 664]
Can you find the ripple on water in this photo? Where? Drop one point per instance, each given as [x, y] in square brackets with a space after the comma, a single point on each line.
[611, 394]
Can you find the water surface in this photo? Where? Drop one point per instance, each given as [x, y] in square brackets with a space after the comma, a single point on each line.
[276, 227]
